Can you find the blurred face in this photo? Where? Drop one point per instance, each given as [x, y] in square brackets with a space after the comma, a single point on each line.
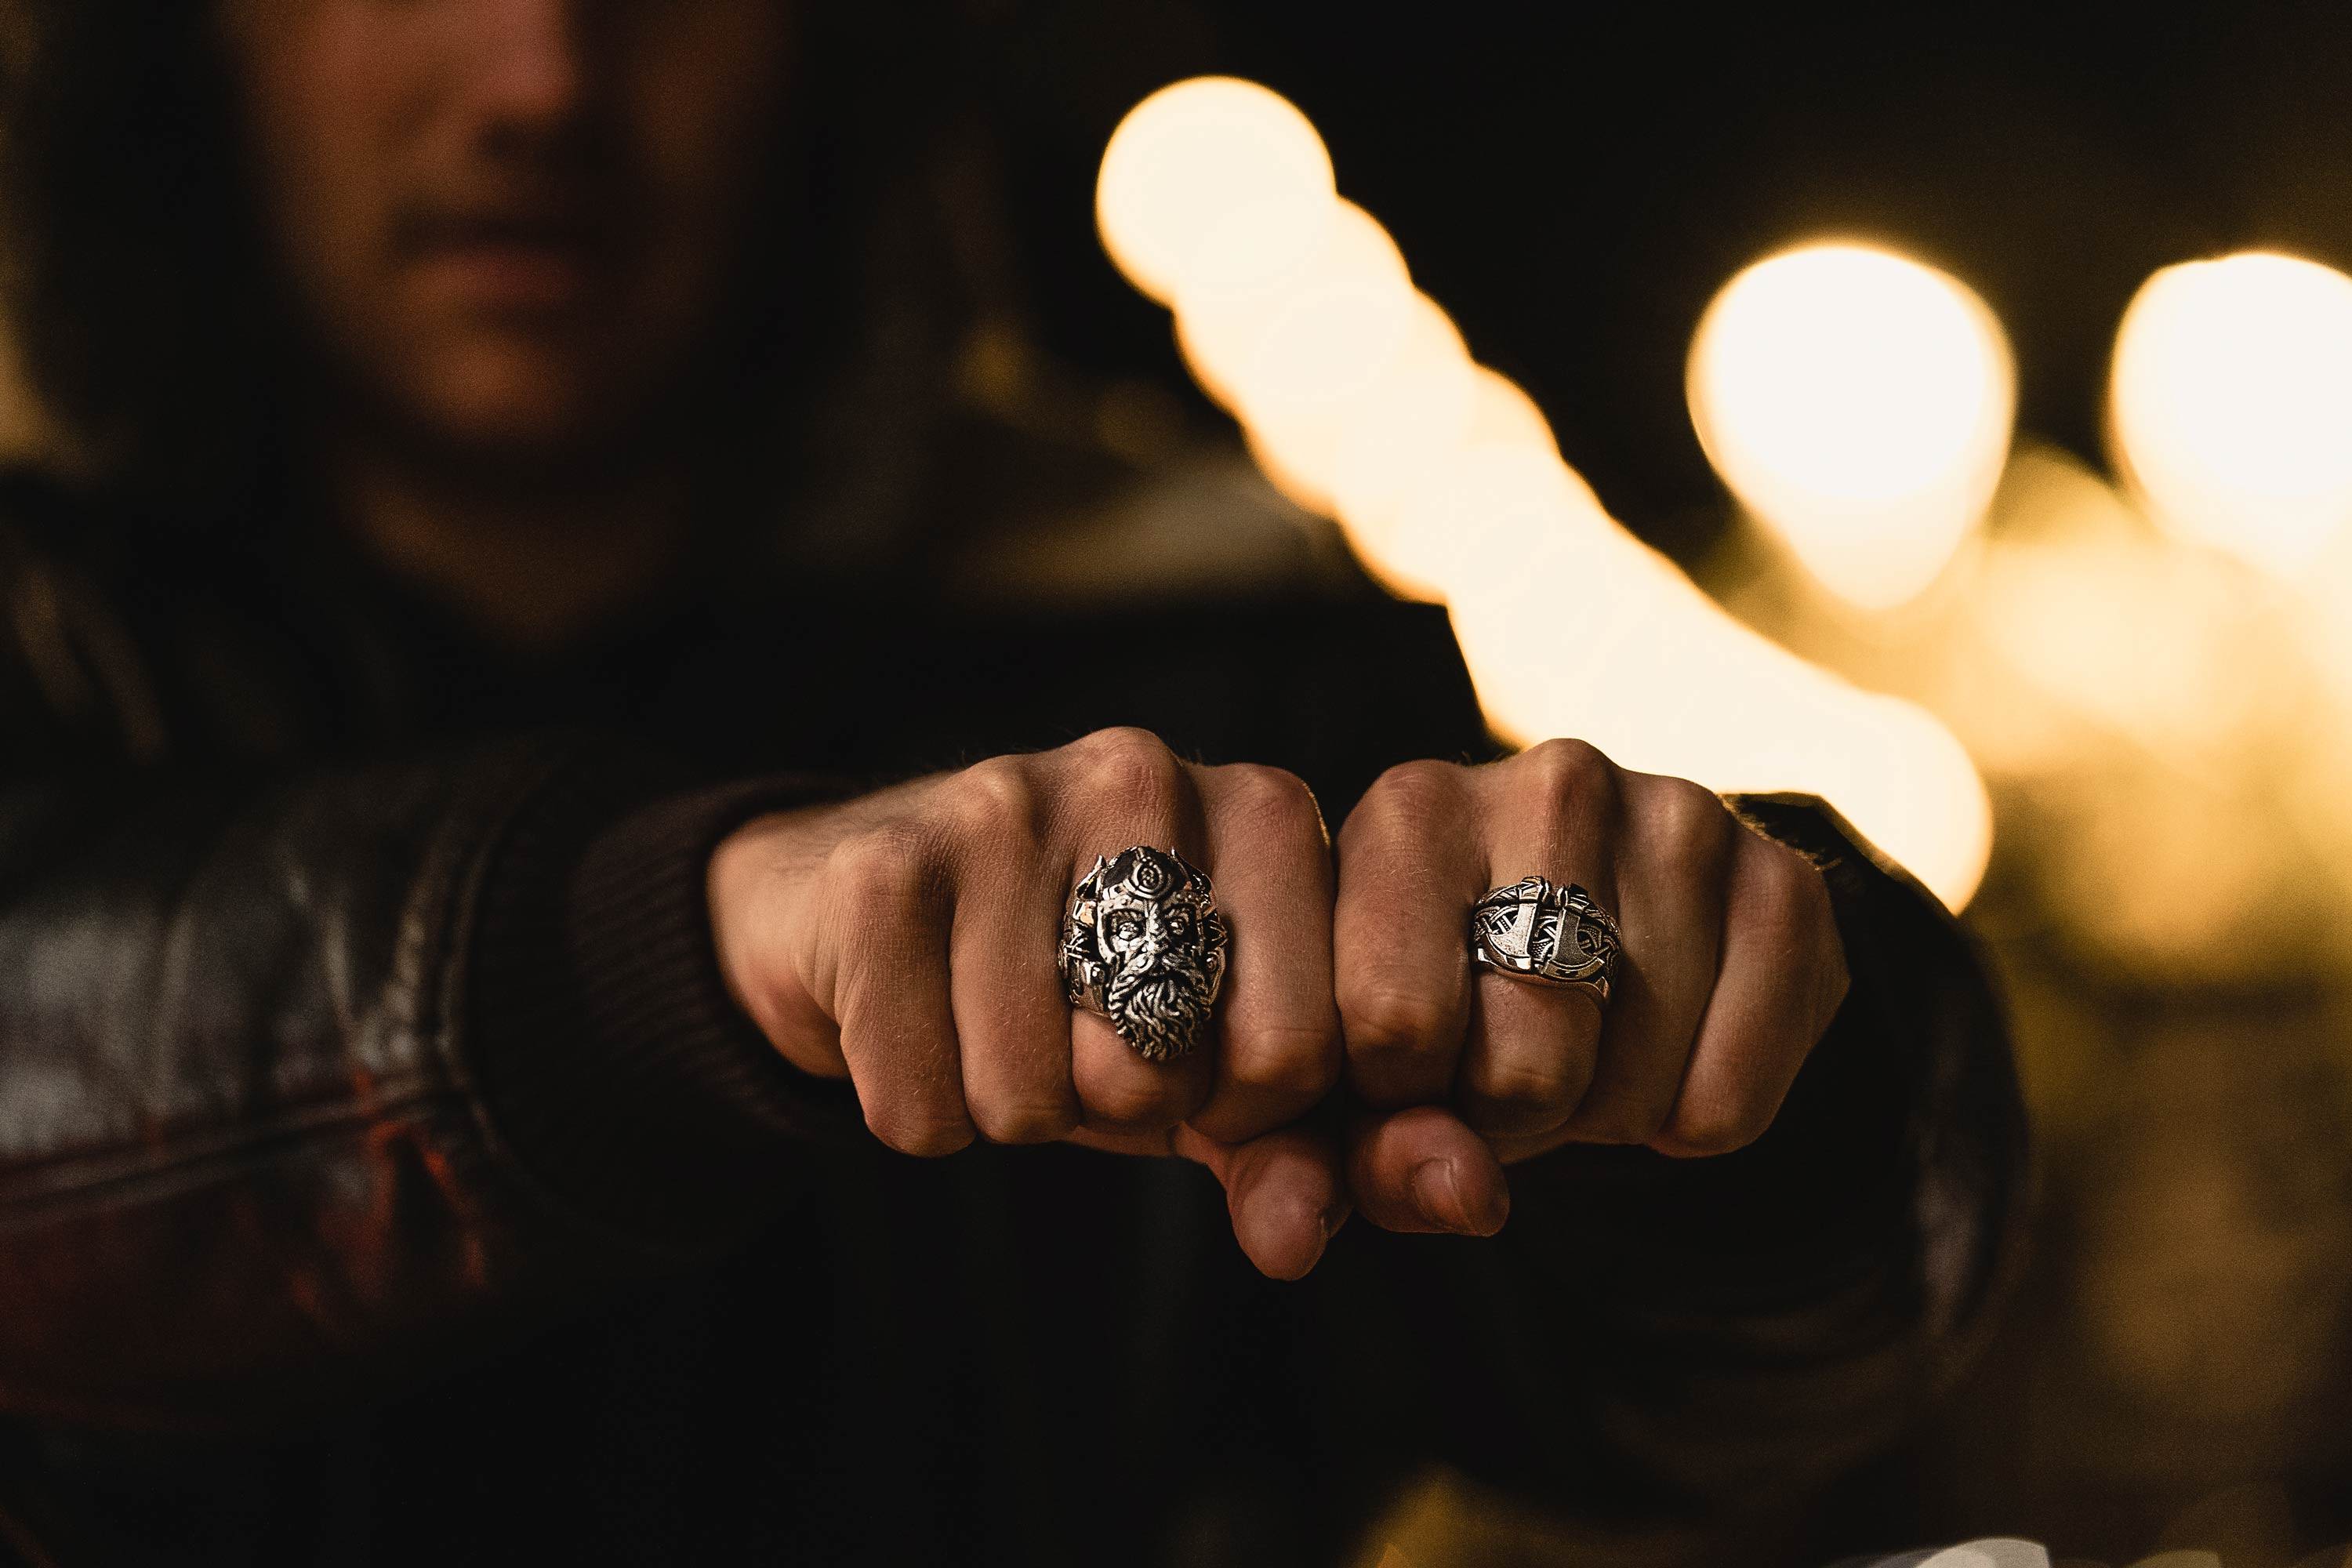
[510, 224]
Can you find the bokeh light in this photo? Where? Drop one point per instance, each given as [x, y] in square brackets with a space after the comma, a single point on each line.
[1356, 395]
[2231, 404]
[2003, 1552]
[1859, 404]
[1215, 181]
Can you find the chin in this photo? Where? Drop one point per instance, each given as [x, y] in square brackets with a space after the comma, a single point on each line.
[531, 408]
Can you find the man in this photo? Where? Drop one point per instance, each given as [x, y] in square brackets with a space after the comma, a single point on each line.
[467, 1007]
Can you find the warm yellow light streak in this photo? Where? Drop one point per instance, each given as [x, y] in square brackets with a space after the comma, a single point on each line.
[1993, 1551]
[2230, 404]
[1572, 627]
[1363, 386]
[1859, 404]
[1357, 396]
[1220, 330]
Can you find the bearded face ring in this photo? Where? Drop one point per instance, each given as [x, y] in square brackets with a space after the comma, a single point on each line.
[1545, 935]
[1144, 946]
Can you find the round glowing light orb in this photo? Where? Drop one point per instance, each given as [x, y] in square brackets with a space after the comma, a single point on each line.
[1386, 460]
[1331, 348]
[1212, 174]
[2230, 406]
[1470, 492]
[1859, 404]
[1356, 381]
[1994, 1552]
[1219, 329]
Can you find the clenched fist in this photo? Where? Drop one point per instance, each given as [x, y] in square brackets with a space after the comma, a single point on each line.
[1730, 972]
[908, 940]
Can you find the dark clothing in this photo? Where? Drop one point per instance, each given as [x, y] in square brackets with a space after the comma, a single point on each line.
[383, 1172]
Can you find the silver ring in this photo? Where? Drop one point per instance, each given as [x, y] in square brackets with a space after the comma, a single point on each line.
[1545, 935]
[1144, 945]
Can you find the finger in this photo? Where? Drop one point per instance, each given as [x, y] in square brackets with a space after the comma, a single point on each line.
[1127, 788]
[1553, 811]
[1278, 1028]
[898, 1028]
[1421, 1170]
[1672, 867]
[1012, 1022]
[1284, 1191]
[771, 950]
[1409, 871]
[1782, 979]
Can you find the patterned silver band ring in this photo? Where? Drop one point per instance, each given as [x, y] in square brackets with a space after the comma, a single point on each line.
[1546, 935]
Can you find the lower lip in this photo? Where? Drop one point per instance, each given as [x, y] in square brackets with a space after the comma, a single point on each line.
[514, 277]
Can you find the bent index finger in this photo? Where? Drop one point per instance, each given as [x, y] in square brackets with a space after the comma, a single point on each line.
[1284, 1193]
[1423, 1169]
[1278, 1026]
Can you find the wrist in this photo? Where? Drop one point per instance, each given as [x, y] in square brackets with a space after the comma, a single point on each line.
[598, 1034]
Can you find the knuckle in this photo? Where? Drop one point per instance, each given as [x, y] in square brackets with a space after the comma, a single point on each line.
[1387, 1021]
[994, 803]
[1572, 771]
[1712, 1127]
[925, 1133]
[1409, 795]
[1623, 1121]
[1135, 1103]
[1687, 828]
[886, 867]
[1131, 766]
[1024, 1121]
[1276, 801]
[1804, 923]
[1298, 1062]
[1527, 1088]
[1794, 902]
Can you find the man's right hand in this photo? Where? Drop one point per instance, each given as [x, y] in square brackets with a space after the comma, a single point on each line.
[908, 940]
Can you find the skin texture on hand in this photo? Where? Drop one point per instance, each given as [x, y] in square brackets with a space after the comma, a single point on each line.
[906, 941]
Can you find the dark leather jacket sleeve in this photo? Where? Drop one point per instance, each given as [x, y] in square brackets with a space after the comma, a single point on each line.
[306, 1072]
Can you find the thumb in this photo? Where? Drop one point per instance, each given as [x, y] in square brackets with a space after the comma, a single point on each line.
[1284, 1190]
[1424, 1169]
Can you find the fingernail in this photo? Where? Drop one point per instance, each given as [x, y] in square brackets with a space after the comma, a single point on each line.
[1437, 1193]
[1321, 1222]
[1331, 1219]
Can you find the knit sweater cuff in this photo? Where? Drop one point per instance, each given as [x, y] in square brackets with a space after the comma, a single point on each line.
[608, 1054]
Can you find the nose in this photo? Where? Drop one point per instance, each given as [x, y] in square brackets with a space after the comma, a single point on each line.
[530, 62]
